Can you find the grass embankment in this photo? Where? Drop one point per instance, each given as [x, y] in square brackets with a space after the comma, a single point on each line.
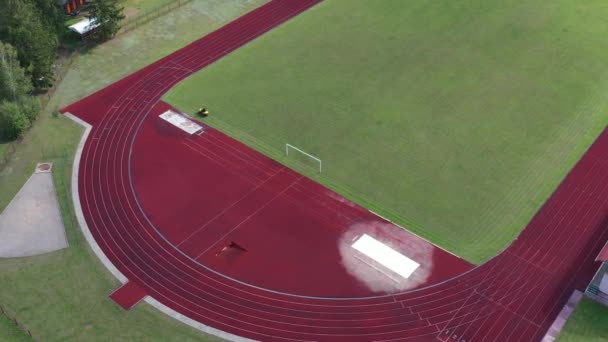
[588, 323]
[456, 120]
[63, 295]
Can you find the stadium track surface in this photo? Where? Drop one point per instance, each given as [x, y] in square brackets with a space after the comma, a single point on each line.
[204, 191]
[512, 297]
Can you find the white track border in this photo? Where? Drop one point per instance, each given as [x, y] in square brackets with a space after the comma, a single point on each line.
[109, 265]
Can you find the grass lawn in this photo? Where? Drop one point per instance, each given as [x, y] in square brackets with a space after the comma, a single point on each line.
[132, 51]
[9, 332]
[134, 7]
[456, 119]
[62, 296]
[588, 323]
[4, 148]
[72, 21]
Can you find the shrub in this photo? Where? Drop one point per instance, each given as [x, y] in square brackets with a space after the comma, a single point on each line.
[13, 121]
[30, 107]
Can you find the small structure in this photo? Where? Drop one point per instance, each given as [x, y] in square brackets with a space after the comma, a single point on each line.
[71, 6]
[598, 287]
[85, 27]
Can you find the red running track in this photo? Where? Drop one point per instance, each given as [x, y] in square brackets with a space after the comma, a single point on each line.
[204, 191]
[513, 297]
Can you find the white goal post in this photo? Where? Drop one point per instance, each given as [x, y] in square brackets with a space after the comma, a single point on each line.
[288, 146]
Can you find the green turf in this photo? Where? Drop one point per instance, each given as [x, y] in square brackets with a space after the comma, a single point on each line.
[588, 323]
[143, 5]
[71, 21]
[10, 332]
[62, 296]
[456, 119]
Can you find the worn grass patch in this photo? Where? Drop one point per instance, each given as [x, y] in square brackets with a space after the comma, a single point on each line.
[455, 119]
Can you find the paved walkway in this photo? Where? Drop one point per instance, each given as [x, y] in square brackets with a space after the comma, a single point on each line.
[31, 224]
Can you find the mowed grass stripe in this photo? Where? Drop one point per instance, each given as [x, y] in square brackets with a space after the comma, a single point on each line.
[455, 119]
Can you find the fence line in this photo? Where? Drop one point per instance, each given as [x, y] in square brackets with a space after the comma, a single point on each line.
[151, 14]
[60, 73]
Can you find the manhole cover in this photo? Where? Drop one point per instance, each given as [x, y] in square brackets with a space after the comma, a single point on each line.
[44, 167]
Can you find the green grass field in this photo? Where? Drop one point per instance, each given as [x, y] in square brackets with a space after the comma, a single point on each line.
[588, 323]
[62, 296]
[9, 332]
[456, 119]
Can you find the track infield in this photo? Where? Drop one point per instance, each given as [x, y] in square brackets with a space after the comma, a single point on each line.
[514, 296]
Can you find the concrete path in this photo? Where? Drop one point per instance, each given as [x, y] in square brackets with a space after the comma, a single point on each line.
[31, 224]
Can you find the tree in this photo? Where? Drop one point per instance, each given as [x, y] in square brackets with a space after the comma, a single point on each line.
[109, 14]
[18, 109]
[14, 83]
[52, 15]
[25, 27]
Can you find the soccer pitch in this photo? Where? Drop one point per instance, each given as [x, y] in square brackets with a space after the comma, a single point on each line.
[455, 119]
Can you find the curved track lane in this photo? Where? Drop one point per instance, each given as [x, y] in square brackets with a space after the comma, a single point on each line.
[514, 296]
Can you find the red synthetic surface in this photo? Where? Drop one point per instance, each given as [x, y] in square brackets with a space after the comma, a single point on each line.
[514, 296]
[603, 256]
[204, 191]
[128, 295]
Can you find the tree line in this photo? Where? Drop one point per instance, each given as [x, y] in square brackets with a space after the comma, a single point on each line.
[31, 32]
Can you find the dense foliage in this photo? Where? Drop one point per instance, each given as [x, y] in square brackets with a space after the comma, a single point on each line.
[109, 14]
[18, 108]
[32, 27]
[30, 34]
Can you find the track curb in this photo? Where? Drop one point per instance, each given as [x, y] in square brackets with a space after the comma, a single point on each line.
[84, 228]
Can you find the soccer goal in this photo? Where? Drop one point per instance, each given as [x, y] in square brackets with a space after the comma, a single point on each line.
[289, 147]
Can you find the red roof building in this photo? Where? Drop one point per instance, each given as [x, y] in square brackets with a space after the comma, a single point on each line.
[71, 6]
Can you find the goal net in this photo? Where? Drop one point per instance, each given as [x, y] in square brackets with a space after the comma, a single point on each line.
[303, 157]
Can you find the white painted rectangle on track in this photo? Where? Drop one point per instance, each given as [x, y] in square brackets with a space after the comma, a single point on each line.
[181, 122]
[386, 256]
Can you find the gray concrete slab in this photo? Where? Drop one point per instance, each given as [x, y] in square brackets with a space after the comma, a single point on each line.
[561, 319]
[31, 224]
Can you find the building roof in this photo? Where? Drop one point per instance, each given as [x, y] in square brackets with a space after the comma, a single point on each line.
[85, 25]
[603, 256]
